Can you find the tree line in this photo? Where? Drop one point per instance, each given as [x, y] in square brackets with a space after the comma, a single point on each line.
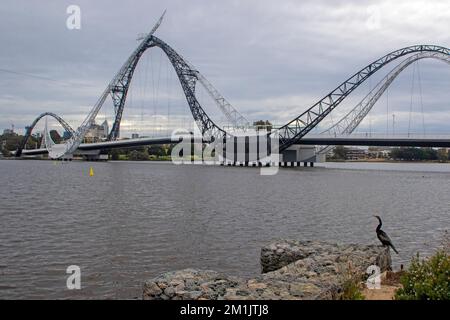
[402, 154]
[153, 152]
[420, 154]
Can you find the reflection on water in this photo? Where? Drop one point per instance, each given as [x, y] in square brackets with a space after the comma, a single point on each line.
[133, 221]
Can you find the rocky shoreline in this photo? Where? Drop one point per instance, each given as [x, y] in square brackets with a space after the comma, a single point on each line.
[291, 269]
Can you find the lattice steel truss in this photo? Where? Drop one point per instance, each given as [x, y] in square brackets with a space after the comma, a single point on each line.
[295, 129]
[347, 124]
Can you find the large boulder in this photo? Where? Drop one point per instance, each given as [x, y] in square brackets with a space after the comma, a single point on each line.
[280, 253]
[291, 270]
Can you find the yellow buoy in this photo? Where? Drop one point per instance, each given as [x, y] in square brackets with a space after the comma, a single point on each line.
[91, 172]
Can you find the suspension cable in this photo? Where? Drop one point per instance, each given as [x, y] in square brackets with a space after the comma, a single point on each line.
[130, 97]
[158, 86]
[387, 111]
[168, 92]
[411, 100]
[369, 116]
[152, 122]
[420, 97]
[144, 98]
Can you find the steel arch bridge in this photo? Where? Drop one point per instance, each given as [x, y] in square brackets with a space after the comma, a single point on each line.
[295, 129]
[63, 123]
[348, 123]
[289, 134]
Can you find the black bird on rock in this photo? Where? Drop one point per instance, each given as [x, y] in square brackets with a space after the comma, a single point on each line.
[383, 237]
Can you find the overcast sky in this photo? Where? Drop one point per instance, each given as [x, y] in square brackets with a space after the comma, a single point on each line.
[270, 59]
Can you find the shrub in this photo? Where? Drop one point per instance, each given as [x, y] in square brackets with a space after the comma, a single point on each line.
[138, 155]
[351, 284]
[351, 290]
[427, 279]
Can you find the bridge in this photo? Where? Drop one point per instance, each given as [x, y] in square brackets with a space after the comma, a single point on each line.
[292, 139]
[94, 150]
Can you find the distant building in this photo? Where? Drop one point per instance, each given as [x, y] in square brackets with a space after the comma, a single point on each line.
[8, 131]
[262, 125]
[97, 132]
[105, 127]
[134, 135]
[66, 135]
[378, 153]
[356, 154]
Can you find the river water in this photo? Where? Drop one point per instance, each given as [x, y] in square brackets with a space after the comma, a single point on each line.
[134, 220]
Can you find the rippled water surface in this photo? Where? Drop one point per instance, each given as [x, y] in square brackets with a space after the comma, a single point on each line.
[133, 221]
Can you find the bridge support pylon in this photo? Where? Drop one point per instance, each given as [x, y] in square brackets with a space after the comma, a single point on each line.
[67, 157]
[297, 154]
[93, 155]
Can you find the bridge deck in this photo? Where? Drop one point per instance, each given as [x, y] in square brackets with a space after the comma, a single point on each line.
[347, 141]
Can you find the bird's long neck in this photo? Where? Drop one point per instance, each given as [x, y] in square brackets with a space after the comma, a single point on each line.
[379, 225]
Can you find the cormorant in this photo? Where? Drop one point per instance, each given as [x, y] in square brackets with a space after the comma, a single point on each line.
[383, 237]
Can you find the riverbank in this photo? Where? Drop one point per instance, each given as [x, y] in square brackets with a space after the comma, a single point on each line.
[291, 270]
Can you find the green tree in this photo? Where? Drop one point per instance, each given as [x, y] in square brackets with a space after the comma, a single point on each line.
[169, 148]
[429, 154]
[339, 153]
[414, 154]
[136, 155]
[114, 154]
[4, 152]
[442, 155]
[11, 141]
[158, 151]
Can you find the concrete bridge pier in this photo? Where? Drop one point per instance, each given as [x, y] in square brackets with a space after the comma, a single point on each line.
[297, 154]
[67, 157]
[250, 154]
[93, 155]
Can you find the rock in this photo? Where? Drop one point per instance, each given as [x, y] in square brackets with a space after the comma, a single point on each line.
[163, 297]
[170, 292]
[277, 255]
[254, 285]
[322, 254]
[291, 270]
[151, 289]
[194, 295]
